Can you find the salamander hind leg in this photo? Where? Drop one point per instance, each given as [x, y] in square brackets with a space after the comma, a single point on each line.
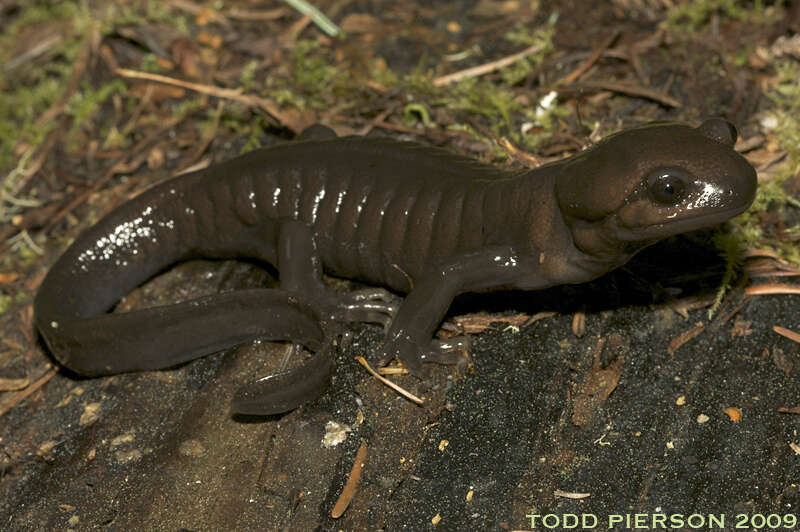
[301, 279]
[301, 273]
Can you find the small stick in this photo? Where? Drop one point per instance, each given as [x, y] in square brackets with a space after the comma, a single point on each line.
[791, 335]
[485, 68]
[591, 60]
[197, 10]
[317, 16]
[249, 15]
[768, 289]
[629, 89]
[570, 494]
[515, 153]
[209, 136]
[230, 94]
[380, 118]
[677, 342]
[389, 383]
[352, 483]
[22, 394]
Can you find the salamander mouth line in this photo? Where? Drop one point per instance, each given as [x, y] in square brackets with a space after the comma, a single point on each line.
[680, 226]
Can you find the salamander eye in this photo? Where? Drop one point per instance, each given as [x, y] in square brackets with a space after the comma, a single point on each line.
[667, 186]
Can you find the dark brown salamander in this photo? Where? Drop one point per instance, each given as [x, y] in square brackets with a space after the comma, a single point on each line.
[415, 219]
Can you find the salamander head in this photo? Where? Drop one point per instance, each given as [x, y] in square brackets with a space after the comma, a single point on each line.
[644, 184]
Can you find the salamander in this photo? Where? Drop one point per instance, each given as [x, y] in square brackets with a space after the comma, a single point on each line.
[415, 219]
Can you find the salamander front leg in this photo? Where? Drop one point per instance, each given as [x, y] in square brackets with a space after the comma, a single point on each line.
[410, 337]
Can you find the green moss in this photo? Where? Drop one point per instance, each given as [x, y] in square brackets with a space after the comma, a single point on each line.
[188, 106]
[82, 107]
[312, 71]
[149, 63]
[542, 37]
[483, 98]
[29, 88]
[419, 82]
[379, 72]
[694, 15]
[731, 246]
[19, 109]
[417, 112]
[739, 57]
[32, 87]
[311, 83]
[771, 194]
[785, 95]
[288, 98]
[141, 13]
[114, 139]
[546, 117]
[497, 103]
[5, 302]
[253, 129]
[247, 79]
[73, 18]
[84, 104]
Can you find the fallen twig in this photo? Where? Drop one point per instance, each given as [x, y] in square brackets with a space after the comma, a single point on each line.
[570, 494]
[683, 306]
[317, 17]
[19, 396]
[625, 88]
[208, 137]
[266, 105]
[352, 483]
[791, 335]
[378, 119]
[591, 60]
[198, 10]
[387, 382]
[772, 288]
[485, 68]
[250, 15]
[524, 158]
[677, 342]
[769, 268]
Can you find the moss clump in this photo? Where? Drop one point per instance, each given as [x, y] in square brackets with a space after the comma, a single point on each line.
[772, 195]
[693, 16]
[86, 102]
[786, 97]
[313, 73]
[483, 98]
[253, 128]
[542, 37]
[30, 87]
[731, 246]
